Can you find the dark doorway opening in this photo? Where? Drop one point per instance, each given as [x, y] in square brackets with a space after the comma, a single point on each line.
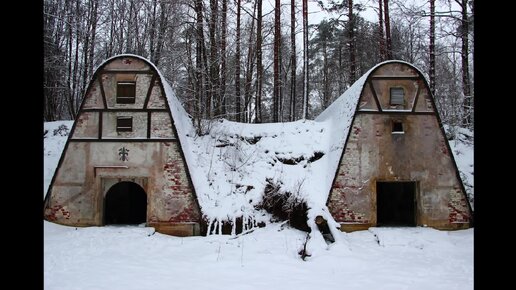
[125, 203]
[396, 203]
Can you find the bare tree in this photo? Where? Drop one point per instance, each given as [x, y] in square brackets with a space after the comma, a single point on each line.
[387, 29]
[380, 32]
[223, 44]
[238, 108]
[250, 62]
[200, 57]
[214, 90]
[259, 64]
[277, 47]
[89, 43]
[191, 42]
[293, 61]
[305, 59]
[352, 41]
[466, 84]
[432, 47]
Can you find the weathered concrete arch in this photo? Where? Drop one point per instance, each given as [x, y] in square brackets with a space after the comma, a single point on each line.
[125, 203]
[98, 153]
[420, 153]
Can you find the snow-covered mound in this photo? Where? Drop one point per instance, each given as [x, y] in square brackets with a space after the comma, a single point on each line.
[233, 163]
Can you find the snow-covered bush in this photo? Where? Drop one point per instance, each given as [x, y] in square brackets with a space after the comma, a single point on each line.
[284, 205]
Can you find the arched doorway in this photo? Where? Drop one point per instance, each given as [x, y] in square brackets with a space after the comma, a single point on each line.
[125, 203]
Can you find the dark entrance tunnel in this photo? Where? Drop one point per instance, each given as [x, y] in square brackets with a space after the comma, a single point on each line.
[125, 203]
[396, 203]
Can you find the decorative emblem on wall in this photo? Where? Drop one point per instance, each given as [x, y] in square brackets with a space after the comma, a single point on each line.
[124, 154]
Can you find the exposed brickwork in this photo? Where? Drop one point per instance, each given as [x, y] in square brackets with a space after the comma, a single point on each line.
[458, 207]
[343, 213]
[443, 148]
[56, 212]
[179, 198]
[346, 188]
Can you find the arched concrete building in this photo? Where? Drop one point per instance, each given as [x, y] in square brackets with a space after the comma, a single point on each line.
[123, 160]
[396, 167]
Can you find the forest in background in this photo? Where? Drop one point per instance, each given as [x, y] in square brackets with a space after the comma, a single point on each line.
[247, 60]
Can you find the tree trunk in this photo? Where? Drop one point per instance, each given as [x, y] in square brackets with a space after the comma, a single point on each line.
[432, 47]
[259, 65]
[213, 95]
[466, 85]
[89, 44]
[130, 31]
[277, 47]
[341, 70]
[293, 61]
[249, 71]
[222, 96]
[191, 105]
[93, 34]
[238, 106]
[305, 59]
[75, 71]
[352, 40]
[200, 90]
[387, 29]
[163, 20]
[326, 85]
[380, 32]
[112, 31]
[69, 44]
[152, 33]
[86, 46]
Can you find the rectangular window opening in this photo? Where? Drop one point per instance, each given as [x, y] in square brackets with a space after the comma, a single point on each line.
[125, 92]
[397, 97]
[124, 124]
[397, 127]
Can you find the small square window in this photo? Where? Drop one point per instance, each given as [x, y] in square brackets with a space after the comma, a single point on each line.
[124, 124]
[397, 96]
[397, 127]
[125, 92]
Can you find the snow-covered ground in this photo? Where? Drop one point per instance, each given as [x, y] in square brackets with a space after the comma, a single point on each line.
[125, 257]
